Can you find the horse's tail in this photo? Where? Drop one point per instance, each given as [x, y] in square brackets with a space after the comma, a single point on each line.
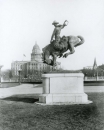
[82, 40]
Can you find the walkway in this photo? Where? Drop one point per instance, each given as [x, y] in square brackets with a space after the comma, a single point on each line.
[21, 89]
[94, 88]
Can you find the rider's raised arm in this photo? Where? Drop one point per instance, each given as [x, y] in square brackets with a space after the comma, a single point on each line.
[64, 24]
[53, 34]
[61, 26]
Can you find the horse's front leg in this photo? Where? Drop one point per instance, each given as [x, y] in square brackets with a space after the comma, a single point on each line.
[71, 49]
[66, 54]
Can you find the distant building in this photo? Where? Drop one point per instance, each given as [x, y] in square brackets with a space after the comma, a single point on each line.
[88, 67]
[15, 66]
[95, 65]
[93, 72]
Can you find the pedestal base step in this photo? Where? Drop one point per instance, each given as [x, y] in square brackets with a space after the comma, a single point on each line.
[63, 99]
[70, 103]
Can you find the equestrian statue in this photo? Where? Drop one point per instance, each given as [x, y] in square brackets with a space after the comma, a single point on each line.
[60, 45]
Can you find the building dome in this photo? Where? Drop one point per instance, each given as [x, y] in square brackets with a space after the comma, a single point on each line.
[36, 53]
[36, 49]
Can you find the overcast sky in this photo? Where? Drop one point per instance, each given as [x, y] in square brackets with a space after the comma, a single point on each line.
[22, 22]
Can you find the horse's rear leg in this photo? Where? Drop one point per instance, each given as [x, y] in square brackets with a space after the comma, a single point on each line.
[54, 60]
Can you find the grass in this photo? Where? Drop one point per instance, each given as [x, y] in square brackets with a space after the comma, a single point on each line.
[21, 113]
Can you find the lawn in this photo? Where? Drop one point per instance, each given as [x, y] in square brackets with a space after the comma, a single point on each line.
[21, 113]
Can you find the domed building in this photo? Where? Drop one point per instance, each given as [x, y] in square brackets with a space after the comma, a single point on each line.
[32, 70]
[36, 53]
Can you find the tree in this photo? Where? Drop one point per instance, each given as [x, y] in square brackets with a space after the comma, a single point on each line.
[7, 74]
[10, 74]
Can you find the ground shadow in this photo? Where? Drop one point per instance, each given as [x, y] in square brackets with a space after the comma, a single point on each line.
[21, 99]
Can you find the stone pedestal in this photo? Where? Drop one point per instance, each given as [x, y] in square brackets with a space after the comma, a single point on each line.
[63, 88]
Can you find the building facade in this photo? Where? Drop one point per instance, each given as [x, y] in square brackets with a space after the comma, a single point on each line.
[16, 66]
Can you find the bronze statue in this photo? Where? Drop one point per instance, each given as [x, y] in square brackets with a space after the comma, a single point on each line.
[59, 46]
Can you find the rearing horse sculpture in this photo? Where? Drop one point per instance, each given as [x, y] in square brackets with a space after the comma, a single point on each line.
[60, 46]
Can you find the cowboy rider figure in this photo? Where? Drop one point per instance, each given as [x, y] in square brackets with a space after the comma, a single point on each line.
[57, 30]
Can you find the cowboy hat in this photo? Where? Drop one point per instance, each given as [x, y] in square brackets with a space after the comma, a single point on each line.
[55, 22]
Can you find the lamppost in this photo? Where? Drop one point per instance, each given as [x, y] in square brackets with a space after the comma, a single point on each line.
[84, 76]
[19, 71]
[103, 74]
[0, 74]
[96, 75]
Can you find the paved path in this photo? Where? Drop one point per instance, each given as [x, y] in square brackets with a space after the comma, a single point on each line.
[94, 88]
[37, 89]
[21, 89]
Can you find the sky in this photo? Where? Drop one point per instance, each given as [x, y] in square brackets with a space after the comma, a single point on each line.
[24, 22]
